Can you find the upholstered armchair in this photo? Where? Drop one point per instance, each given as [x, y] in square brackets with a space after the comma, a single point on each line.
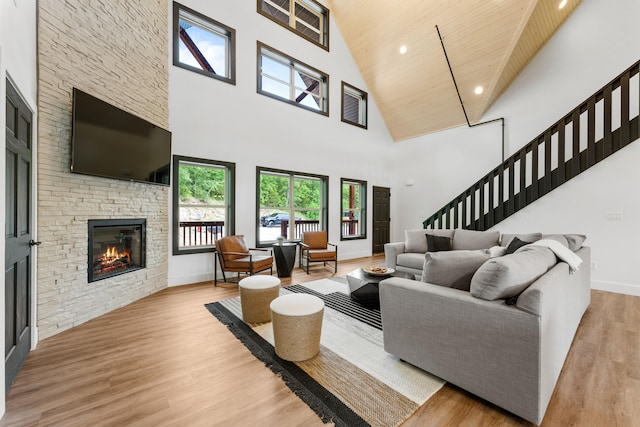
[234, 256]
[315, 248]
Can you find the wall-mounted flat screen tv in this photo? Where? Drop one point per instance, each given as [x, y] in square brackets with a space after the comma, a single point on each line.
[109, 142]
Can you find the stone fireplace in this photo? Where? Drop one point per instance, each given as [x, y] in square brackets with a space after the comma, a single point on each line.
[116, 246]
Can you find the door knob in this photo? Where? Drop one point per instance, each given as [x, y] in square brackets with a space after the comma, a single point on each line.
[34, 243]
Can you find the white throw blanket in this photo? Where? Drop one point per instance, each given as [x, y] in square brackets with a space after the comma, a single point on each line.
[562, 252]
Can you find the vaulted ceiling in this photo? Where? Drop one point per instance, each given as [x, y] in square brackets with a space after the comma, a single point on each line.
[487, 42]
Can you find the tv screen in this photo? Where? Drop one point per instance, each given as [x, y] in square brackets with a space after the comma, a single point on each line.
[109, 142]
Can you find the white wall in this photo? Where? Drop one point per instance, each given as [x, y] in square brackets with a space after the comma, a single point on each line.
[215, 120]
[597, 43]
[18, 61]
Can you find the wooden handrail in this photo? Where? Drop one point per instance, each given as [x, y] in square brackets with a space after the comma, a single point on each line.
[548, 161]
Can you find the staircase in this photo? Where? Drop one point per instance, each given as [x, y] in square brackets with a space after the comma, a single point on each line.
[590, 133]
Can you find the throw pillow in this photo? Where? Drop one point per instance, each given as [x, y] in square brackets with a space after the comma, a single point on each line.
[575, 241]
[514, 245]
[438, 243]
[507, 276]
[496, 251]
[528, 237]
[453, 269]
[415, 241]
[470, 239]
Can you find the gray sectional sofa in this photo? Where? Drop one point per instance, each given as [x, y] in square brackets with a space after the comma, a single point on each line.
[497, 325]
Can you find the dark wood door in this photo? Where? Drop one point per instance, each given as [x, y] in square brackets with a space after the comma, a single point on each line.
[17, 273]
[381, 218]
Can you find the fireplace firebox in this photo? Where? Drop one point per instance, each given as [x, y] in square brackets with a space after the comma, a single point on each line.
[116, 246]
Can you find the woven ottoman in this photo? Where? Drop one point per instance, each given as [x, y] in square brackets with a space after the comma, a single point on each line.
[256, 293]
[297, 324]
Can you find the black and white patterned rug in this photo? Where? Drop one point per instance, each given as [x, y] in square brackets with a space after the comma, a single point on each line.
[352, 381]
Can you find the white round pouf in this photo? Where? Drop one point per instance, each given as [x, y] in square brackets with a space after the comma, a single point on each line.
[297, 325]
[256, 293]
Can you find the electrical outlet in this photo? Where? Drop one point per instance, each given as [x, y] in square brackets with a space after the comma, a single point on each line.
[615, 216]
[594, 265]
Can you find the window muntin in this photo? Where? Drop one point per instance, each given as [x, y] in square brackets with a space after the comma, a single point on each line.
[307, 18]
[289, 80]
[354, 106]
[278, 215]
[203, 45]
[354, 203]
[203, 203]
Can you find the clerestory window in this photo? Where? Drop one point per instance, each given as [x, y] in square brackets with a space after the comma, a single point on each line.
[203, 45]
[354, 105]
[307, 18]
[287, 79]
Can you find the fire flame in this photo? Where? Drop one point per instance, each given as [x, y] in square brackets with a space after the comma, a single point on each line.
[112, 254]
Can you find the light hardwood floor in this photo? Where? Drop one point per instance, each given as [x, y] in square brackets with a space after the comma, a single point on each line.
[165, 360]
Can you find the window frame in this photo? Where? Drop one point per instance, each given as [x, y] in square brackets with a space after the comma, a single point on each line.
[362, 210]
[363, 104]
[294, 65]
[324, 200]
[230, 170]
[214, 26]
[312, 6]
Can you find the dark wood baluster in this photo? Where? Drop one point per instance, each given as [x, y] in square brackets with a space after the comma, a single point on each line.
[575, 157]
[592, 155]
[607, 148]
[511, 199]
[560, 176]
[625, 125]
[546, 180]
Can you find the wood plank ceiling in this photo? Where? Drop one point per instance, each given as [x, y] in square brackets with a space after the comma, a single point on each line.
[488, 43]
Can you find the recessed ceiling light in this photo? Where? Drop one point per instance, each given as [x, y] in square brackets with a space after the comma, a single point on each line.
[562, 4]
[403, 49]
[478, 90]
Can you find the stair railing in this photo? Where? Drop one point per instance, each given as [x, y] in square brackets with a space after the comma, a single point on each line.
[593, 131]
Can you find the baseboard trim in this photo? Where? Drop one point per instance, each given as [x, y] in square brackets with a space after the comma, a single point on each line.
[618, 288]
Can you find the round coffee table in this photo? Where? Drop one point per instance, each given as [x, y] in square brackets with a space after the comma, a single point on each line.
[363, 287]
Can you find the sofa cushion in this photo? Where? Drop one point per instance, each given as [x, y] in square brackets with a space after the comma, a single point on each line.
[507, 276]
[415, 241]
[470, 239]
[453, 269]
[438, 243]
[410, 260]
[528, 237]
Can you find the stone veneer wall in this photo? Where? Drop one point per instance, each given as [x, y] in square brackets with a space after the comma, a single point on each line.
[116, 50]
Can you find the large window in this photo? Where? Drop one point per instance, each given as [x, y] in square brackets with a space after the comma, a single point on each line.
[289, 80]
[354, 105]
[354, 205]
[290, 203]
[307, 18]
[203, 45]
[203, 203]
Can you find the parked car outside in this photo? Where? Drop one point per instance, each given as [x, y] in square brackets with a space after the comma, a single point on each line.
[275, 219]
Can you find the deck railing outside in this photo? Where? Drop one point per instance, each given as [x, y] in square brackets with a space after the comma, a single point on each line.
[200, 233]
[349, 227]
